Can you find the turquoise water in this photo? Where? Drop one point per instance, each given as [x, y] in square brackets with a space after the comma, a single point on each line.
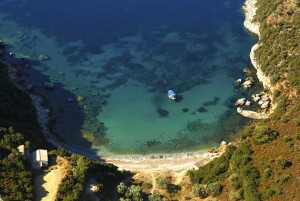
[122, 57]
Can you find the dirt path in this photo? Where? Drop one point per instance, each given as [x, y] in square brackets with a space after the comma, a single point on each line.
[46, 184]
[153, 178]
[52, 180]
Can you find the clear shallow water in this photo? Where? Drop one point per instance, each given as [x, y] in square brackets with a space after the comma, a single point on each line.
[122, 57]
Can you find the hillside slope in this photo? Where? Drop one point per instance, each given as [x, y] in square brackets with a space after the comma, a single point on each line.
[265, 163]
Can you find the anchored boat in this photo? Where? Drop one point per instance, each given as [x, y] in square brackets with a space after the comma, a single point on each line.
[171, 94]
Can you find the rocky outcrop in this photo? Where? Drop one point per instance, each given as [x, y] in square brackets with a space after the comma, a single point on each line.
[262, 99]
[43, 57]
[30, 87]
[48, 85]
[247, 103]
[266, 80]
[249, 8]
[238, 81]
[247, 84]
[250, 11]
[240, 102]
[252, 114]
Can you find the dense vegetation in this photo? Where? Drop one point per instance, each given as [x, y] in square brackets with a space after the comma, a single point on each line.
[279, 51]
[15, 170]
[242, 175]
[81, 169]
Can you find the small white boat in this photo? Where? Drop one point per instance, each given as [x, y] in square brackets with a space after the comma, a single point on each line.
[171, 94]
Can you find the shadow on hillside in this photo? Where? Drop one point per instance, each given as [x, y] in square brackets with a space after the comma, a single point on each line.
[66, 116]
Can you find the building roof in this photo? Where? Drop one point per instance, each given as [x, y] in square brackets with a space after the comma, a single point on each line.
[41, 155]
[21, 149]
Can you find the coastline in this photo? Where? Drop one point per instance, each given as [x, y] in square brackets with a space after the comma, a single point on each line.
[156, 162]
[249, 9]
[173, 162]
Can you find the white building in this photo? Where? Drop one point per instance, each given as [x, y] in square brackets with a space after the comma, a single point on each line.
[39, 159]
[21, 149]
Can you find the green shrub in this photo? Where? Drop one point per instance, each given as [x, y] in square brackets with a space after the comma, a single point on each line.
[267, 173]
[15, 169]
[72, 186]
[199, 190]
[246, 132]
[236, 195]
[287, 139]
[213, 171]
[247, 176]
[156, 197]
[214, 189]
[147, 185]
[283, 163]
[277, 93]
[269, 192]
[283, 179]
[263, 134]
[298, 136]
[134, 193]
[122, 188]
[162, 183]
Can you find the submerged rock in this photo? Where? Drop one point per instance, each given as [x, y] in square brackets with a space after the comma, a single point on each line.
[43, 57]
[48, 85]
[247, 84]
[238, 81]
[250, 79]
[247, 71]
[185, 109]
[30, 87]
[202, 109]
[162, 112]
[70, 100]
[80, 98]
[212, 102]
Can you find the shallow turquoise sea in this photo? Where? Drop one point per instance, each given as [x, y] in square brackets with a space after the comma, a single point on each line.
[119, 58]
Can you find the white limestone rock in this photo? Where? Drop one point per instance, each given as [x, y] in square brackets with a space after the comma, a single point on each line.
[240, 102]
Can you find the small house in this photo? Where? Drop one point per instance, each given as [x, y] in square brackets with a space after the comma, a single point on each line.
[39, 159]
[21, 149]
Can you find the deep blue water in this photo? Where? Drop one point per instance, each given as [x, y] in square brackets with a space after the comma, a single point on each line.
[122, 57]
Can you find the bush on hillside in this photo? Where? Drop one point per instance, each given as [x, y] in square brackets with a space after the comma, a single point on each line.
[263, 134]
[199, 190]
[213, 171]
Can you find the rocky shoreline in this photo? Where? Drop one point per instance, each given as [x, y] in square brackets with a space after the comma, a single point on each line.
[249, 9]
[250, 12]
